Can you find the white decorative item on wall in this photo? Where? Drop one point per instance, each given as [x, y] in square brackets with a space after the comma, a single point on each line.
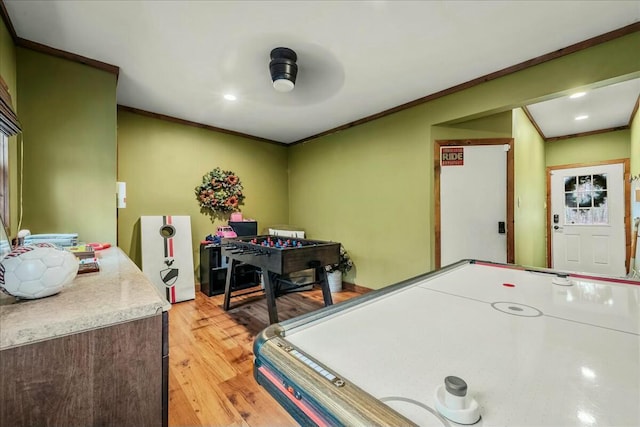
[167, 255]
[121, 194]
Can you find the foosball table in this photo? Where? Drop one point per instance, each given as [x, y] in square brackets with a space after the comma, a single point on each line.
[278, 256]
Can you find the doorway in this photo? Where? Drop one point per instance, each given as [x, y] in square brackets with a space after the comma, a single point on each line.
[588, 217]
[473, 192]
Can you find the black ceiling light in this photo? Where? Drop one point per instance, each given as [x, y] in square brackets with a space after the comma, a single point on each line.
[283, 69]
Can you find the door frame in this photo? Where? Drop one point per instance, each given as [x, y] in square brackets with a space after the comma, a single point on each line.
[510, 188]
[627, 206]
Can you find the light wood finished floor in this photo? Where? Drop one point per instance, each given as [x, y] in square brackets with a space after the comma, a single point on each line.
[211, 359]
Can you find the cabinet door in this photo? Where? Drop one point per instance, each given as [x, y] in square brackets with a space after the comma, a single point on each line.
[108, 376]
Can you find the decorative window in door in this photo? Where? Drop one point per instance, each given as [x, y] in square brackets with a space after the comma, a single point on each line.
[585, 199]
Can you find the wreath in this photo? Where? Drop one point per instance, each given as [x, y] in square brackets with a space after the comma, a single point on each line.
[220, 191]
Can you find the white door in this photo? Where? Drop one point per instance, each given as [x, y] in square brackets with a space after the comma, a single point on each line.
[473, 203]
[587, 219]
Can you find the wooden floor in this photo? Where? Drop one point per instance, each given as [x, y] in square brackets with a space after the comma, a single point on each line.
[211, 359]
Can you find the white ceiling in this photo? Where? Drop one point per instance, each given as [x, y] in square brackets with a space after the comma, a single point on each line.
[606, 107]
[355, 58]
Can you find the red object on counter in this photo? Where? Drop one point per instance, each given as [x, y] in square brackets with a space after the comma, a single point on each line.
[99, 246]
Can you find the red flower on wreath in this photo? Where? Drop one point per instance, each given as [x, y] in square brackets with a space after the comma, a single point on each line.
[232, 180]
[232, 201]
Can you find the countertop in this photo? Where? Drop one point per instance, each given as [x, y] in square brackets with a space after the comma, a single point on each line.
[118, 293]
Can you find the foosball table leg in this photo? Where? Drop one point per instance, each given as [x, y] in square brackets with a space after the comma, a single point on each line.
[271, 296]
[321, 274]
[228, 281]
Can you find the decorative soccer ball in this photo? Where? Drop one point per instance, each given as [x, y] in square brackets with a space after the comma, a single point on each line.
[37, 271]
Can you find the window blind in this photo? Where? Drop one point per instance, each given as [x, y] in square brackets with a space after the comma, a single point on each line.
[9, 124]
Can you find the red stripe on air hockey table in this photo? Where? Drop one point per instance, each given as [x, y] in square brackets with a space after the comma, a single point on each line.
[576, 275]
[605, 279]
[314, 417]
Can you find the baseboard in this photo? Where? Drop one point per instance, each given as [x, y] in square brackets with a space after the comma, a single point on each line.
[355, 288]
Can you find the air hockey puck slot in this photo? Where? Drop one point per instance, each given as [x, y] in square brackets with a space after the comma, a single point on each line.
[329, 376]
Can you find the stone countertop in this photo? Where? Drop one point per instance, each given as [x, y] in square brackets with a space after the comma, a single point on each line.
[118, 293]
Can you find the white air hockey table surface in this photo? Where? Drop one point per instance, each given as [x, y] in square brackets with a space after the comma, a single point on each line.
[532, 352]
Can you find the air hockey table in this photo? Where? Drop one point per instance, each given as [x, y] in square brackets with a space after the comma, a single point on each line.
[473, 343]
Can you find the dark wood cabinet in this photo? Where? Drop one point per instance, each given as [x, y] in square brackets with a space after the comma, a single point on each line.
[109, 376]
[96, 354]
[213, 271]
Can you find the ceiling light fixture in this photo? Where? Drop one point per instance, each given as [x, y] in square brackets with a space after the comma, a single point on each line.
[283, 69]
[584, 116]
[577, 95]
[230, 97]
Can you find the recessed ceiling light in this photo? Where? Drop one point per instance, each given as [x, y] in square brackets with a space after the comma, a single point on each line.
[584, 116]
[577, 95]
[230, 97]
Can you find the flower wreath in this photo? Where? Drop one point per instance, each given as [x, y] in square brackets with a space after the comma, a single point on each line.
[220, 191]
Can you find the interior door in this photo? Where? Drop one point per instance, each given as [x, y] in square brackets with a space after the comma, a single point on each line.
[473, 197]
[587, 219]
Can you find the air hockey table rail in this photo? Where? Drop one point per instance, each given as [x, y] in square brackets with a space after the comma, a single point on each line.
[536, 347]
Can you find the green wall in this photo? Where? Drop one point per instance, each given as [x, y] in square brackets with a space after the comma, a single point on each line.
[162, 162]
[530, 193]
[492, 126]
[371, 186]
[68, 115]
[359, 188]
[9, 73]
[592, 148]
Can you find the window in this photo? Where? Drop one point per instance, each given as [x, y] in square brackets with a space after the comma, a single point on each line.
[8, 120]
[8, 126]
[585, 199]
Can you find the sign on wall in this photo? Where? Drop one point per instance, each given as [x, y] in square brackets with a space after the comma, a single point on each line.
[452, 156]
